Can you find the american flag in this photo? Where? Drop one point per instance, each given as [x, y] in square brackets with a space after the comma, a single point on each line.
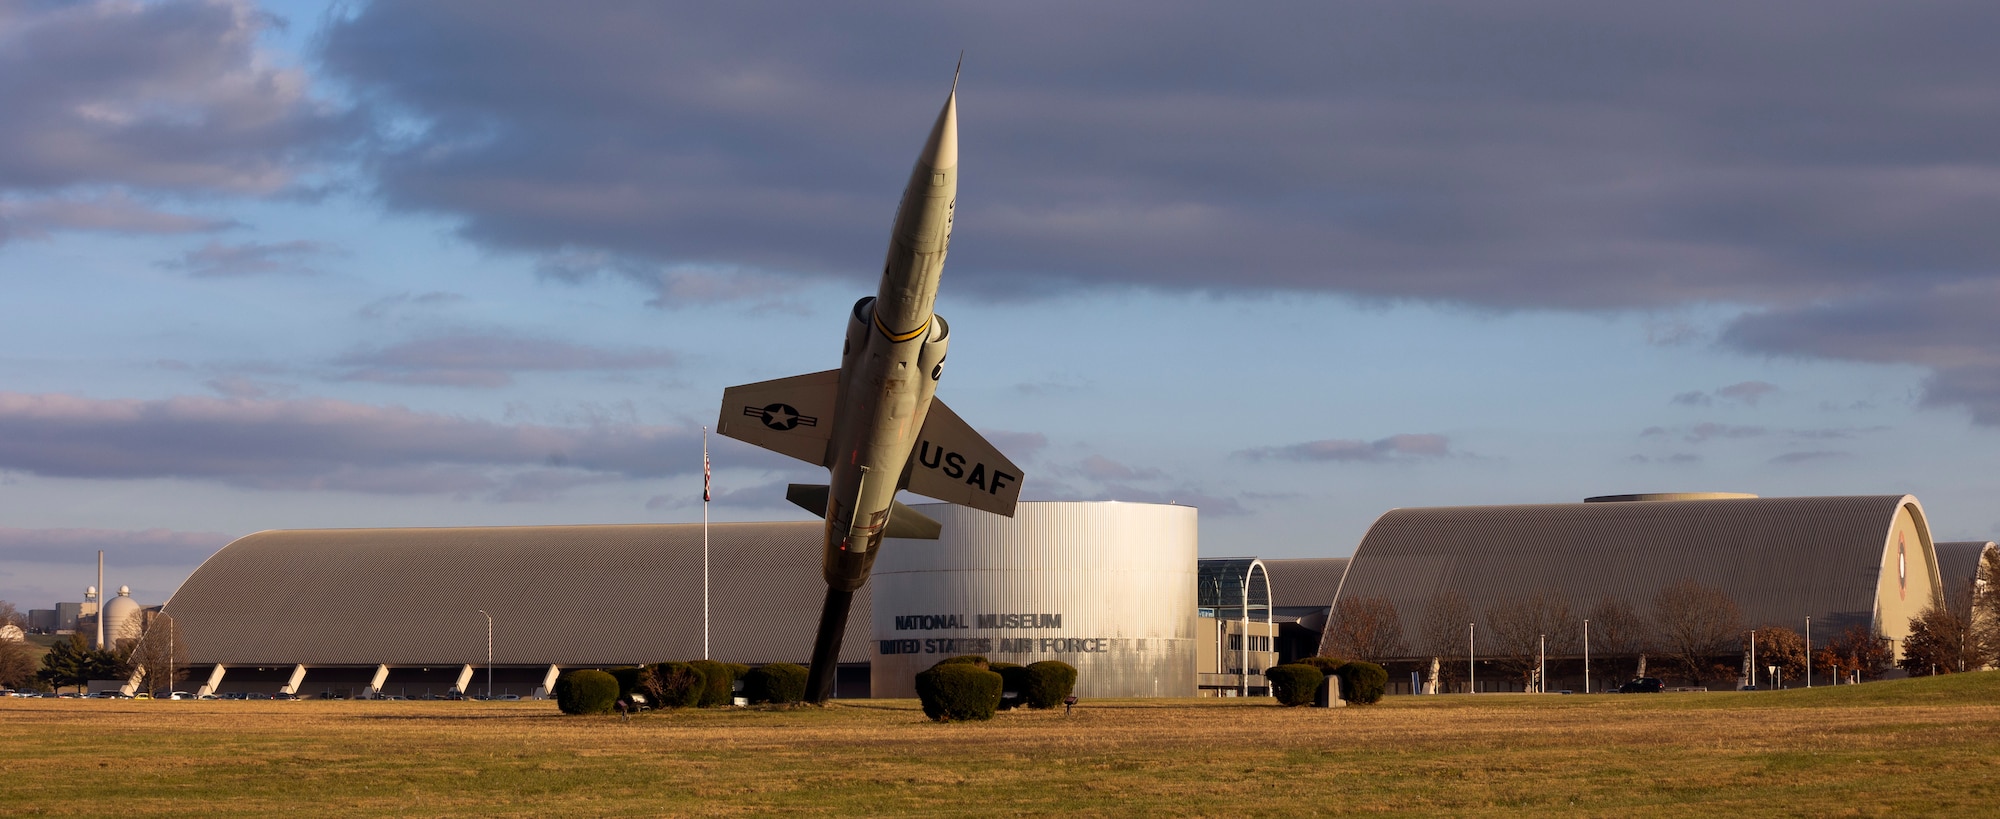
[704, 467]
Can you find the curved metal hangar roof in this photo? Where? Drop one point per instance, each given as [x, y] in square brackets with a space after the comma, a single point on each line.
[563, 595]
[1842, 560]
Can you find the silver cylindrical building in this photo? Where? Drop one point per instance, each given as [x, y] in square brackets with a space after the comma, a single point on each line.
[1106, 587]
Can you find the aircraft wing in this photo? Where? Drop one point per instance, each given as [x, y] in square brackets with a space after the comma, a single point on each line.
[790, 416]
[954, 464]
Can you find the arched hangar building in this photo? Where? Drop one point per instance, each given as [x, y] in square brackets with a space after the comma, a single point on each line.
[1842, 561]
[1108, 587]
[1112, 588]
[399, 611]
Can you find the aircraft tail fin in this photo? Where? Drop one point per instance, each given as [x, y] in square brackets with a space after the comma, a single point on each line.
[955, 464]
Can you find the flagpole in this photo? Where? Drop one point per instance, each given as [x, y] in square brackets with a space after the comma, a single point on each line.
[704, 542]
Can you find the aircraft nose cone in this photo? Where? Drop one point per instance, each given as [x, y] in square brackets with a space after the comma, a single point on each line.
[941, 150]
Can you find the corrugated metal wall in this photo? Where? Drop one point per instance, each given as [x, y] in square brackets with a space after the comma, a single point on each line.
[1121, 577]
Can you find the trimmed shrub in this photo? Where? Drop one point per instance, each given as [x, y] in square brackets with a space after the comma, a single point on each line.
[673, 685]
[1013, 677]
[970, 659]
[1362, 683]
[586, 692]
[779, 683]
[958, 691]
[1326, 665]
[628, 680]
[1049, 683]
[719, 681]
[1295, 684]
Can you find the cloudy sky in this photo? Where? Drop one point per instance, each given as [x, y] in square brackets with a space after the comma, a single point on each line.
[310, 264]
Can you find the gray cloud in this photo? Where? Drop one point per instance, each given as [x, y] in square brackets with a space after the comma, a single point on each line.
[321, 444]
[488, 360]
[673, 286]
[1672, 333]
[1743, 392]
[1791, 458]
[387, 305]
[1949, 329]
[1562, 154]
[146, 547]
[1747, 392]
[236, 386]
[171, 95]
[1705, 431]
[108, 212]
[1836, 433]
[1100, 468]
[1020, 447]
[1208, 503]
[1392, 448]
[217, 260]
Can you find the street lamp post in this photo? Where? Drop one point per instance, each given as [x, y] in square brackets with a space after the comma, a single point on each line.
[1471, 671]
[1808, 651]
[1586, 656]
[489, 654]
[1243, 643]
[1541, 663]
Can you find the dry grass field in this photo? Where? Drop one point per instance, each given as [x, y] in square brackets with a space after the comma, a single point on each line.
[1914, 747]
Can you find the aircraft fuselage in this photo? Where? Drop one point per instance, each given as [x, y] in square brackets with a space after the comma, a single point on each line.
[890, 364]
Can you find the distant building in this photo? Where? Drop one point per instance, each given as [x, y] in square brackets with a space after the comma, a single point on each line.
[121, 617]
[397, 611]
[1106, 587]
[1236, 632]
[1302, 592]
[1842, 561]
[68, 615]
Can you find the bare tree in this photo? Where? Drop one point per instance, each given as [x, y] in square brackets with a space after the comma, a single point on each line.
[1522, 626]
[1365, 628]
[1441, 634]
[1696, 624]
[10, 616]
[159, 652]
[1617, 631]
[18, 665]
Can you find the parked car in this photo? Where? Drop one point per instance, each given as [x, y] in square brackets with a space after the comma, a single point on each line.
[1643, 685]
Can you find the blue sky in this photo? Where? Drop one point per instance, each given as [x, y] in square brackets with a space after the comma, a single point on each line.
[386, 264]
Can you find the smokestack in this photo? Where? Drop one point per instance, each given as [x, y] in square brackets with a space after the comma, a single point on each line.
[100, 598]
